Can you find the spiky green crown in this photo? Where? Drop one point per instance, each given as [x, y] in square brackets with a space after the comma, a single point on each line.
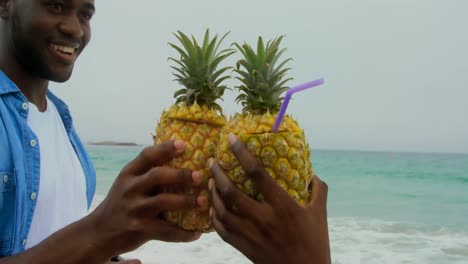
[197, 70]
[262, 76]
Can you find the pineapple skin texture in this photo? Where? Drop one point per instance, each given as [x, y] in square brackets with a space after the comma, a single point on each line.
[199, 127]
[285, 154]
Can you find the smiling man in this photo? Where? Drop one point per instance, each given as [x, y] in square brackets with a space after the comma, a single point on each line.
[47, 180]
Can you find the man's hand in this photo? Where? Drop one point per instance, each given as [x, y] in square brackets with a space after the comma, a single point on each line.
[129, 216]
[278, 230]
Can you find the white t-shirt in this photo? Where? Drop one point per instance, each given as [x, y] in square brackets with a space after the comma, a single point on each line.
[61, 199]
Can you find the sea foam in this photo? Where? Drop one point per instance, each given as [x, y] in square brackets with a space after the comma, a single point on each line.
[375, 241]
[352, 241]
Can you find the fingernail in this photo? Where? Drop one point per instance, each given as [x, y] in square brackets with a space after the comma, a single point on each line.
[232, 138]
[210, 184]
[179, 146]
[211, 212]
[210, 162]
[202, 201]
[196, 177]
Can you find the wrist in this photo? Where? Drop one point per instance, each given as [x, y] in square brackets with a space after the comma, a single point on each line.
[96, 240]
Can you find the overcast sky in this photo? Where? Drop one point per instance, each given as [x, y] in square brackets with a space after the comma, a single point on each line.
[396, 71]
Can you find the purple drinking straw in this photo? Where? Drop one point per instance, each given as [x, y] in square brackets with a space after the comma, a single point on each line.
[287, 98]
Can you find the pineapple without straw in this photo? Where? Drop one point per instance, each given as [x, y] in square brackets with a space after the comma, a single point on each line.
[195, 117]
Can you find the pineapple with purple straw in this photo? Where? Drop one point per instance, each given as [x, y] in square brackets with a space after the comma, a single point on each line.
[274, 138]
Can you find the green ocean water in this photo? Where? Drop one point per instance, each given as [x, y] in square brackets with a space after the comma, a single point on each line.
[383, 207]
[414, 187]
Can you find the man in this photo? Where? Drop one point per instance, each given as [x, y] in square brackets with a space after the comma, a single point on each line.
[47, 180]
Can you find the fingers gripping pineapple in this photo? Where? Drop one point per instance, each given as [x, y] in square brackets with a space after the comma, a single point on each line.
[195, 117]
[285, 153]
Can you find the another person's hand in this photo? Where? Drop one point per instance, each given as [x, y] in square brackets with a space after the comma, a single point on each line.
[130, 214]
[278, 230]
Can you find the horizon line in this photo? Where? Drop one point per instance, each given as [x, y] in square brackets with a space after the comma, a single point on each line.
[93, 143]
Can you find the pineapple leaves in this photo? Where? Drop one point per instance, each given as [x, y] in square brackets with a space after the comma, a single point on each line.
[262, 80]
[261, 71]
[260, 53]
[180, 92]
[197, 69]
[206, 40]
[219, 72]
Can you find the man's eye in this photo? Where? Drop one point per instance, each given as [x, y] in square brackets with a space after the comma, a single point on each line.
[58, 7]
[87, 16]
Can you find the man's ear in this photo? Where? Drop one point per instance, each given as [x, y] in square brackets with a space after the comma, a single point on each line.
[5, 8]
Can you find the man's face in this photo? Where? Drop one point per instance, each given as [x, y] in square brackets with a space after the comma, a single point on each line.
[48, 35]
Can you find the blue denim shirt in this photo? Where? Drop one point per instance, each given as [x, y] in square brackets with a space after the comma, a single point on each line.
[20, 165]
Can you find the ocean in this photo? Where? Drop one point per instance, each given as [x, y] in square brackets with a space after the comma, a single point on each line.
[383, 207]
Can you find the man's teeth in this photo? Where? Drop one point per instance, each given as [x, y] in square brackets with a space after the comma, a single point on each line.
[64, 49]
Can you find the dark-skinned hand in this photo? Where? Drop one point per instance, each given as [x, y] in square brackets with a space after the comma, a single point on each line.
[277, 230]
[129, 215]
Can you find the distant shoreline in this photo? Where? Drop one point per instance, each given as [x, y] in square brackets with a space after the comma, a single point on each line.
[112, 143]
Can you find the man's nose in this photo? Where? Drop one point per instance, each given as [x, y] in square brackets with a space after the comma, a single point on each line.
[71, 26]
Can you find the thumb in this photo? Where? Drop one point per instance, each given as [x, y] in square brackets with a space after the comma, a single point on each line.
[319, 193]
[155, 155]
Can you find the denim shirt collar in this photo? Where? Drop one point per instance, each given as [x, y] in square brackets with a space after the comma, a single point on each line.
[8, 86]
[62, 108]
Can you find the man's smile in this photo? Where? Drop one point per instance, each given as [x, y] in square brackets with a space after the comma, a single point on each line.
[66, 52]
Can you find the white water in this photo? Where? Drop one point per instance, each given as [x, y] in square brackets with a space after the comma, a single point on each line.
[352, 241]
